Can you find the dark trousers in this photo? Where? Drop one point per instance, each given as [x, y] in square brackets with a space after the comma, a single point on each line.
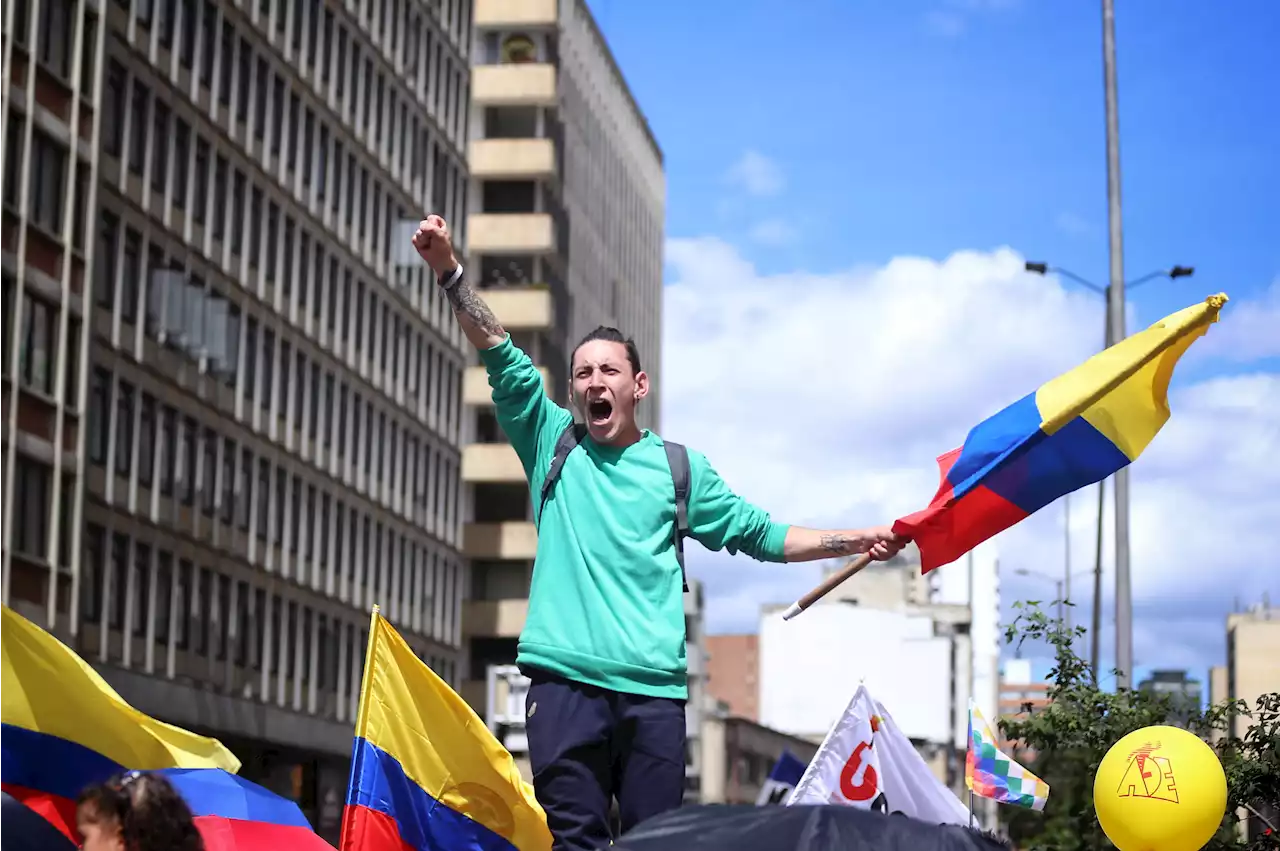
[588, 745]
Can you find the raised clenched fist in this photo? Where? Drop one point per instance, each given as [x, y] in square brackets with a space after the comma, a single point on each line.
[434, 245]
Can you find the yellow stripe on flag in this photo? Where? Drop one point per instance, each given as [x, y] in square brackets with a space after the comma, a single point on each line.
[412, 715]
[1123, 391]
[47, 688]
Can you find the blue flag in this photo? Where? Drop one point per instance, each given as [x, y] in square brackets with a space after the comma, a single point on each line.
[782, 779]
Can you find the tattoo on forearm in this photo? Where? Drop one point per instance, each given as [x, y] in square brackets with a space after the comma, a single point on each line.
[466, 302]
[838, 544]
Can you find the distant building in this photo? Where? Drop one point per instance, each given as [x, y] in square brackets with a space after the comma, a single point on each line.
[1184, 693]
[695, 707]
[1252, 670]
[1020, 696]
[739, 754]
[232, 416]
[564, 222]
[734, 671]
[908, 637]
[1253, 660]
[974, 582]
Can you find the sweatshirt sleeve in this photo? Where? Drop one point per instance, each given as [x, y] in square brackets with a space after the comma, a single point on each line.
[530, 419]
[719, 519]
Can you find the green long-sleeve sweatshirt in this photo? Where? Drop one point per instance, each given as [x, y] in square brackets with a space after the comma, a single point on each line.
[606, 606]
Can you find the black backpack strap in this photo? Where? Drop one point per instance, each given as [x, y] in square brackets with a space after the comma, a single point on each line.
[568, 440]
[678, 460]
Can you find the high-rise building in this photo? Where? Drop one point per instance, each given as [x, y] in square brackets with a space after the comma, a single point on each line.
[564, 234]
[1252, 666]
[1252, 670]
[1183, 693]
[232, 419]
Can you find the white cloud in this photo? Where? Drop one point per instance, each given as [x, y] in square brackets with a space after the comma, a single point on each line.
[825, 399]
[756, 174]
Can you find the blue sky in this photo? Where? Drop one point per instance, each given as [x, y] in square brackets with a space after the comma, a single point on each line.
[921, 128]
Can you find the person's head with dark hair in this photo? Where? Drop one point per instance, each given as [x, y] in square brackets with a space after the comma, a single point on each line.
[606, 383]
[136, 811]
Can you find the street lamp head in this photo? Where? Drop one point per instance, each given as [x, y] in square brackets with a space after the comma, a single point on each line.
[1038, 268]
[1182, 271]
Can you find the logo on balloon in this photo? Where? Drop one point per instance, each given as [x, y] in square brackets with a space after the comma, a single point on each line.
[1148, 776]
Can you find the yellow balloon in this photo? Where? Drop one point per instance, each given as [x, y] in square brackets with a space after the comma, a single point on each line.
[1160, 789]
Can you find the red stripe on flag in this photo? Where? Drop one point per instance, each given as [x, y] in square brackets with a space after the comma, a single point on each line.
[365, 829]
[55, 809]
[945, 462]
[945, 532]
[229, 834]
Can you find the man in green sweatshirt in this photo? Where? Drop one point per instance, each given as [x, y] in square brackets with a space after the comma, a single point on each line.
[604, 644]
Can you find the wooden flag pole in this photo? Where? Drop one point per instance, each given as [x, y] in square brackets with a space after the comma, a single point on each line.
[827, 586]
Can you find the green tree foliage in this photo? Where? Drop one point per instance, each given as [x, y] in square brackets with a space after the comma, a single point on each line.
[1064, 743]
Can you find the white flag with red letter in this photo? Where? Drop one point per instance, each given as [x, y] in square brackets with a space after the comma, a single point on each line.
[866, 761]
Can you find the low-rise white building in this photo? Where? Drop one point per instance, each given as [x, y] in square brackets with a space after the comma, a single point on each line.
[921, 644]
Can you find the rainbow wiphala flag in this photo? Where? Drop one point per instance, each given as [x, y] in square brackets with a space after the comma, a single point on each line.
[988, 773]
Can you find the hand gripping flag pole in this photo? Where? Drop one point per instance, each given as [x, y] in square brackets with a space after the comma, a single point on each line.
[1071, 432]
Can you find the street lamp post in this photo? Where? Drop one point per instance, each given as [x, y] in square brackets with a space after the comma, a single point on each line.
[1113, 333]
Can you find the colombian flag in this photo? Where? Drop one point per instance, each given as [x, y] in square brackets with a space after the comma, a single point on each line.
[65, 728]
[426, 773]
[1075, 430]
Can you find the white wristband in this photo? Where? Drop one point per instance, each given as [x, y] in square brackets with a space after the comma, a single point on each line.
[453, 279]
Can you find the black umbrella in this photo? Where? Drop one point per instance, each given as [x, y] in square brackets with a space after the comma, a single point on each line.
[24, 829]
[813, 828]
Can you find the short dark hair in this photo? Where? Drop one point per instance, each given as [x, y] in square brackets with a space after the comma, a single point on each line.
[610, 335]
[148, 810]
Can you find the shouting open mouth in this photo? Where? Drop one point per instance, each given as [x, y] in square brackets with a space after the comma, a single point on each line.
[599, 411]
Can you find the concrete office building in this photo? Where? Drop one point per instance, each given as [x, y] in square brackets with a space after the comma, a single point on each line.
[1184, 693]
[564, 233]
[231, 421]
[1252, 670]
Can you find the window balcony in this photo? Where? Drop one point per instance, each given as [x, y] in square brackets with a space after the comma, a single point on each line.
[516, 84]
[494, 618]
[511, 233]
[504, 159]
[515, 14]
[491, 462]
[510, 540]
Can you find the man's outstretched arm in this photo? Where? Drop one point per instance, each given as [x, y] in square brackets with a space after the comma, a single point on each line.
[435, 246]
[720, 519]
[803, 544]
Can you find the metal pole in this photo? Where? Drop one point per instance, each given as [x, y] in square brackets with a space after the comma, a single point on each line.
[1095, 633]
[1066, 555]
[1116, 323]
